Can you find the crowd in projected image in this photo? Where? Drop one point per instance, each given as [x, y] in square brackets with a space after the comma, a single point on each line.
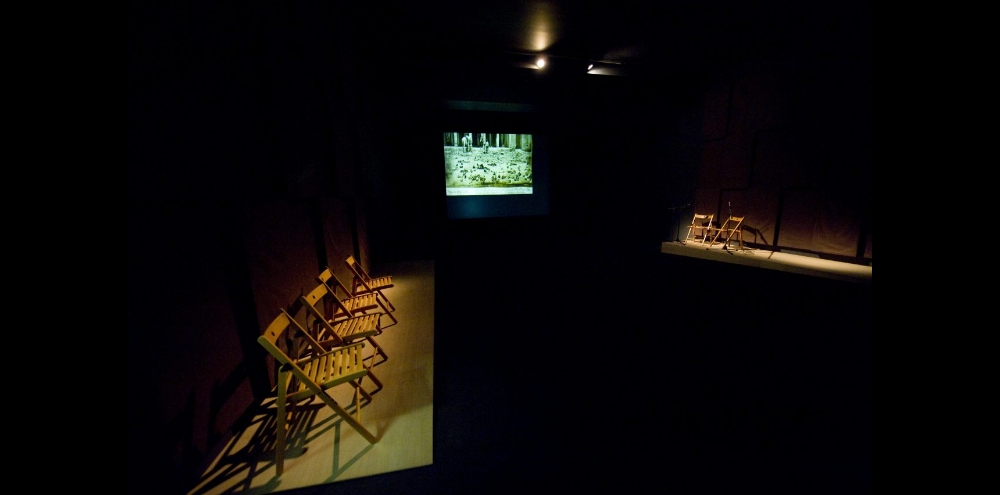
[478, 164]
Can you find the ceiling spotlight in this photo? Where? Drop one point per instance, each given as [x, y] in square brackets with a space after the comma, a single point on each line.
[540, 62]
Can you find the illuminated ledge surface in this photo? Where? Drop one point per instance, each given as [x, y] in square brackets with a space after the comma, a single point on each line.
[772, 260]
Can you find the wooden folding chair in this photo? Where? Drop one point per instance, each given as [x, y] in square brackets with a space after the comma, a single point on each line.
[329, 332]
[732, 228]
[366, 284]
[701, 227]
[357, 305]
[313, 374]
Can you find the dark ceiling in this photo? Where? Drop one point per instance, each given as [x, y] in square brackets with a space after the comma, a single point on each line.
[625, 36]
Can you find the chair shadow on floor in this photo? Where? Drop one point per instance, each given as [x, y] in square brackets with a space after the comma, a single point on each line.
[241, 461]
[339, 468]
[250, 453]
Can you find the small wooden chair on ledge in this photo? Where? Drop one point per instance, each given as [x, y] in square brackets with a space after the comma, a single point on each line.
[700, 228]
[732, 229]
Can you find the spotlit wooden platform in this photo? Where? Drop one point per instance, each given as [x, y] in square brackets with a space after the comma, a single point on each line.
[321, 448]
[772, 260]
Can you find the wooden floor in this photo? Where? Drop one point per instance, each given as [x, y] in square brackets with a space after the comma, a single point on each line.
[322, 449]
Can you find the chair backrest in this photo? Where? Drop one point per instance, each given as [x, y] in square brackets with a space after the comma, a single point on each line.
[318, 305]
[270, 340]
[358, 304]
[733, 223]
[703, 221]
[350, 363]
[329, 332]
[358, 270]
[327, 276]
[361, 277]
[701, 225]
[323, 296]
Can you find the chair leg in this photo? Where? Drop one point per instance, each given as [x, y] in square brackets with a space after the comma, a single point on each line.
[366, 394]
[378, 351]
[348, 417]
[376, 381]
[738, 238]
[279, 444]
[357, 400]
[387, 312]
[393, 318]
[391, 308]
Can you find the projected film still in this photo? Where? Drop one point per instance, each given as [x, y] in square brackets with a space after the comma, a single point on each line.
[487, 164]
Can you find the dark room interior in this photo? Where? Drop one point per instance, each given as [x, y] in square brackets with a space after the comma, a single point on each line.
[268, 140]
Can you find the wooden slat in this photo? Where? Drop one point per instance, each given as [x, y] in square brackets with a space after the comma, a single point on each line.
[353, 326]
[339, 363]
[323, 369]
[359, 326]
[352, 361]
[361, 302]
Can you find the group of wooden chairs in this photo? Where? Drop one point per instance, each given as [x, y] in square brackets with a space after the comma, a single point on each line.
[704, 229]
[318, 344]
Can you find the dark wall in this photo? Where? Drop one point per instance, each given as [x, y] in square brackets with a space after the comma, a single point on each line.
[771, 122]
[613, 162]
[246, 168]
[264, 144]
